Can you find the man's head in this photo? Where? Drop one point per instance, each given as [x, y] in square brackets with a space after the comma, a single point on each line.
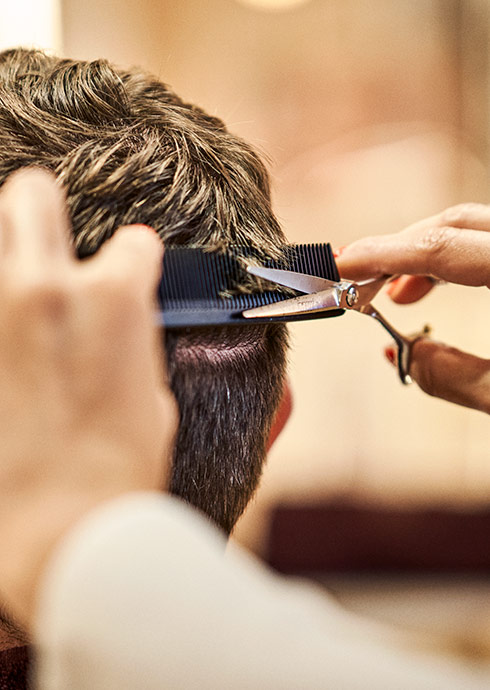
[128, 150]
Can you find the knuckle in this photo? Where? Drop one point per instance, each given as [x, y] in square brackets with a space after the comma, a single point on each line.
[461, 214]
[426, 367]
[43, 297]
[428, 382]
[433, 242]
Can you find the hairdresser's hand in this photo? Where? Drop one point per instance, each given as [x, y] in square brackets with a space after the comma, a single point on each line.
[85, 413]
[453, 246]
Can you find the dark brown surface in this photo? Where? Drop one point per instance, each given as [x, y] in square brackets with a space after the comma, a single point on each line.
[346, 537]
[14, 663]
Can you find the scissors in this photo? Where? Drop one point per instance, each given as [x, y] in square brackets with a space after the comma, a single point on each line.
[323, 295]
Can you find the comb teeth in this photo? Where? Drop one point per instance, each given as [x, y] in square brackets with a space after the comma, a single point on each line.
[196, 284]
[312, 259]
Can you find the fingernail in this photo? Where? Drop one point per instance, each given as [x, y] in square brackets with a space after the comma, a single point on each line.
[390, 354]
[147, 227]
[394, 286]
[338, 252]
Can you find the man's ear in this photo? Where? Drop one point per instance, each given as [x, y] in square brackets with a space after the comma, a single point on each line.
[282, 414]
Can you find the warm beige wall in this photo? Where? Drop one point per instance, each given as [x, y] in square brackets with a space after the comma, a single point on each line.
[128, 32]
[359, 111]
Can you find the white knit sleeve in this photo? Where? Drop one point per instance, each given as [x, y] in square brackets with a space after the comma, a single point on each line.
[141, 596]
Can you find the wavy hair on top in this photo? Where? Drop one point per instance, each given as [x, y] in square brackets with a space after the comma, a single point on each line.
[127, 150]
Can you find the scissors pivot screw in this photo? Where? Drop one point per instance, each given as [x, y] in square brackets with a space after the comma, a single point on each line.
[351, 296]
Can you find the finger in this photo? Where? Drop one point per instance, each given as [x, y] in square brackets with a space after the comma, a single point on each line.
[122, 279]
[133, 256]
[116, 291]
[35, 226]
[452, 375]
[468, 216]
[444, 252]
[408, 289]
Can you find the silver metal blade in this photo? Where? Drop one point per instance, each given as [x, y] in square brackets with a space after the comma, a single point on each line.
[296, 281]
[304, 304]
[368, 289]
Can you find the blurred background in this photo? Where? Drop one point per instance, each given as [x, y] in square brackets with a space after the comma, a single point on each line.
[371, 115]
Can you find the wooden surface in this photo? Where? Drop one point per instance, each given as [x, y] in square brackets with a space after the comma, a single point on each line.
[343, 537]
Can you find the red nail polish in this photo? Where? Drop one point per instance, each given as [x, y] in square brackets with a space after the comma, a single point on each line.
[390, 354]
[338, 252]
[393, 286]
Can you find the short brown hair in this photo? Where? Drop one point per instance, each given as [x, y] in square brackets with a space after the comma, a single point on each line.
[129, 150]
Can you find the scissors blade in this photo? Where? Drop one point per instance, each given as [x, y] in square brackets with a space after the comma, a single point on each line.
[325, 300]
[291, 279]
[321, 294]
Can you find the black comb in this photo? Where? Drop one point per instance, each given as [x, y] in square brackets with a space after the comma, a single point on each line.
[202, 288]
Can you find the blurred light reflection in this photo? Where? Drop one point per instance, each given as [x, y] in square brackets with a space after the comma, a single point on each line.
[31, 23]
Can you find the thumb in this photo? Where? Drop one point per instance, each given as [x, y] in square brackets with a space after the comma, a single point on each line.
[452, 375]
